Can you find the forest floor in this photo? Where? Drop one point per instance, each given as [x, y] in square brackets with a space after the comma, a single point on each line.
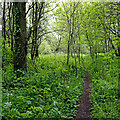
[85, 105]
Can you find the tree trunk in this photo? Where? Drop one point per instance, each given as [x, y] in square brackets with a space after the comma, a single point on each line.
[12, 31]
[68, 51]
[20, 48]
[118, 28]
[32, 49]
[3, 31]
[36, 52]
[4, 26]
[36, 23]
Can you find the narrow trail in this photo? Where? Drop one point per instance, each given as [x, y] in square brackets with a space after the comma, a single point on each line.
[84, 106]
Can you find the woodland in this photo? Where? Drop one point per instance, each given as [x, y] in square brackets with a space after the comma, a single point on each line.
[60, 60]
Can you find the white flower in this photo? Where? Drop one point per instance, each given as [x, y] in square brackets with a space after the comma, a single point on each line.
[54, 102]
[7, 104]
[9, 94]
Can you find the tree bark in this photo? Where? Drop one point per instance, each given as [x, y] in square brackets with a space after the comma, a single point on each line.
[12, 31]
[36, 23]
[4, 25]
[20, 48]
[32, 49]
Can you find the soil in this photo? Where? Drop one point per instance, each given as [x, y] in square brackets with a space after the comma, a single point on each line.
[85, 105]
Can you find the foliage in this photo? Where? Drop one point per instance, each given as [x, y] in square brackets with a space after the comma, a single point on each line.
[44, 48]
[104, 87]
[48, 90]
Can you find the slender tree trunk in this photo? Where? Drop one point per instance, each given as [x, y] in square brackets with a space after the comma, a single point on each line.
[73, 39]
[75, 60]
[69, 39]
[36, 23]
[20, 46]
[36, 53]
[9, 30]
[68, 51]
[12, 31]
[118, 13]
[78, 37]
[4, 26]
[3, 32]
[79, 54]
[33, 44]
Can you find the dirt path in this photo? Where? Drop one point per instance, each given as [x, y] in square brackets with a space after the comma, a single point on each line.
[84, 108]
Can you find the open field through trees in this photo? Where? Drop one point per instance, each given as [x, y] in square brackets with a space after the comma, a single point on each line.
[60, 60]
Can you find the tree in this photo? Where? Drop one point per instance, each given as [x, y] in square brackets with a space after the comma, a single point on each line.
[20, 46]
[37, 15]
[4, 25]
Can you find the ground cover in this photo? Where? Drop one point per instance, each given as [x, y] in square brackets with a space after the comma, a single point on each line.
[48, 90]
[104, 87]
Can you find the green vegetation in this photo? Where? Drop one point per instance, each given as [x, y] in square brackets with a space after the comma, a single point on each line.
[48, 90]
[104, 87]
[51, 90]
[43, 48]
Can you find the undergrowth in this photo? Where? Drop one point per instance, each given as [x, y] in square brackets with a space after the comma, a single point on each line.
[104, 87]
[48, 90]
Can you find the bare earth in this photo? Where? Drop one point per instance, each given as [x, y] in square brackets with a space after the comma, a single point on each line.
[83, 112]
